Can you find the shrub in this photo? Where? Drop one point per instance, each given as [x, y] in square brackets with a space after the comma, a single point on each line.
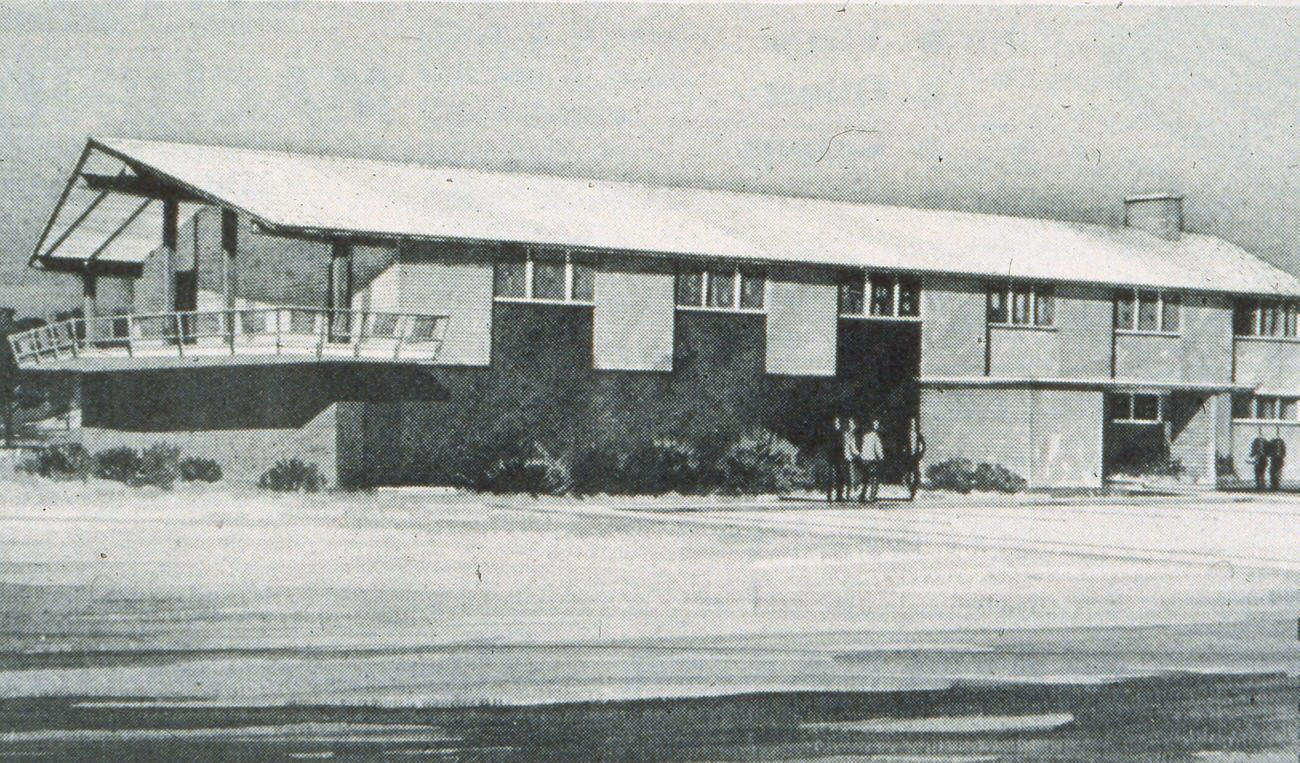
[761, 462]
[292, 476]
[199, 470]
[60, 462]
[1224, 466]
[537, 473]
[598, 470]
[961, 476]
[117, 464]
[662, 466]
[159, 466]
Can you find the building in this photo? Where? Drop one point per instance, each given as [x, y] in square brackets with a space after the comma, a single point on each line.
[385, 320]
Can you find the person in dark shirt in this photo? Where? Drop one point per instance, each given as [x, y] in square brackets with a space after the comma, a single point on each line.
[1276, 460]
[1259, 459]
[837, 467]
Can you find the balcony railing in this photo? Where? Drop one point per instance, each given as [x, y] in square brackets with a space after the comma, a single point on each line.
[301, 333]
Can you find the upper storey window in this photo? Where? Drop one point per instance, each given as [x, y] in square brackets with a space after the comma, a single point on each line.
[1021, 304]
[542, 274]
[880, 295]
[721, 288]
[1265, 317]
[1148, 311]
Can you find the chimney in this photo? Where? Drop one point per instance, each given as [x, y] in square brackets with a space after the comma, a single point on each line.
[1157, 213]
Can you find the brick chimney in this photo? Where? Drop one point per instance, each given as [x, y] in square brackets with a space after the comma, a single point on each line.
[1157, 213]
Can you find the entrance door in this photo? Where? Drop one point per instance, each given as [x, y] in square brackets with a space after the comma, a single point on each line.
[878, 365]
[1137, 434]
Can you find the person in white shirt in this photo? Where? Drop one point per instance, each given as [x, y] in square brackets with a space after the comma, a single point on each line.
[871, 456]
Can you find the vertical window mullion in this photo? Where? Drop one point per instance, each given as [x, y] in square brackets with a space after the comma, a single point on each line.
[528, 274]
[735, 288]
[705, 286]
[897, 294]
[568, 275]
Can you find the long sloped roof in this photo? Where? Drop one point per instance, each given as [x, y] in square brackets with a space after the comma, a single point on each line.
[376, 198]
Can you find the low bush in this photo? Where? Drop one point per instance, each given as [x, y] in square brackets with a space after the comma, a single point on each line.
[158, 465]
[662, 466]
[117, 464]
[1224, 465]
[59, 462]
[292, 476]
[536, 473]
[598, 470]
[962, 476]
[761, 462]
[199, 470]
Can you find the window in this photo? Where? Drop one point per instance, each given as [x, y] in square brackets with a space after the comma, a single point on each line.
[1271, 408]
[880, 295]
[1145, 310]
[1022, 305]
[721, 288]
[1136, 408]
[544, 274]
[1263, 317]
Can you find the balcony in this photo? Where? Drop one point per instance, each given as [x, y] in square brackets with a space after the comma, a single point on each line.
[229, 337]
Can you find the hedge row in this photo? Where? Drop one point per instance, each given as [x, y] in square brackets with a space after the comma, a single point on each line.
[157, 465]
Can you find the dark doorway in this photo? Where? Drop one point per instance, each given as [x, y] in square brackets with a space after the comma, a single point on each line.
[877, 367]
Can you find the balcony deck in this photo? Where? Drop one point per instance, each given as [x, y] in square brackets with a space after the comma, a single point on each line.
[230, 337]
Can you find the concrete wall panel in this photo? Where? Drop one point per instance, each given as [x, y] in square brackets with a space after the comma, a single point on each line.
[452, 280]
[802, 322]
[634, 315]
[952, 339]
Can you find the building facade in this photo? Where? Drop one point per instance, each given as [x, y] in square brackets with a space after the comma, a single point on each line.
[392, 322]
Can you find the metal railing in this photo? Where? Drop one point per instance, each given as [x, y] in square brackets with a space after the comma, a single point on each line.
[298, 331]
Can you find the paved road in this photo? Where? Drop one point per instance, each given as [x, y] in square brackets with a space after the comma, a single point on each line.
[404, 597]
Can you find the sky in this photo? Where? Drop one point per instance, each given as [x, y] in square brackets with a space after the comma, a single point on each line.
[1041, 111]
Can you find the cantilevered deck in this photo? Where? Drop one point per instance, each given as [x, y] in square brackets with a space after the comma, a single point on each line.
[228, 337]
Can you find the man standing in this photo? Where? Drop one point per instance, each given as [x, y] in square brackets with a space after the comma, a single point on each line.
[836, 465]
[1259, 458]
[849, 454]
[1276, 460]
[871, 456]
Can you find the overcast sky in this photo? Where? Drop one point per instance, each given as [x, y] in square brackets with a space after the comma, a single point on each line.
[1056, 112]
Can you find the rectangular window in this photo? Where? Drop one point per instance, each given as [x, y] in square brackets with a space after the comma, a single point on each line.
[584, 280]
[1171, 313]
[1125, 309]
[1243, 317]
[511, 278]
[853, 295]
[752, 285]
[1136, 408]
[544, 274]
[997, 306]
[690, 288]
[548, 274]
[909, 297]
[720, 288]
[1045, 306]
[1147, 310]
[880, 295]
[1022, 305]
[1271, 408]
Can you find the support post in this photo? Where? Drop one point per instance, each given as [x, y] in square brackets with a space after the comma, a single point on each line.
[230, 246]
[339, 300]
[89, 307]
[170, 234]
